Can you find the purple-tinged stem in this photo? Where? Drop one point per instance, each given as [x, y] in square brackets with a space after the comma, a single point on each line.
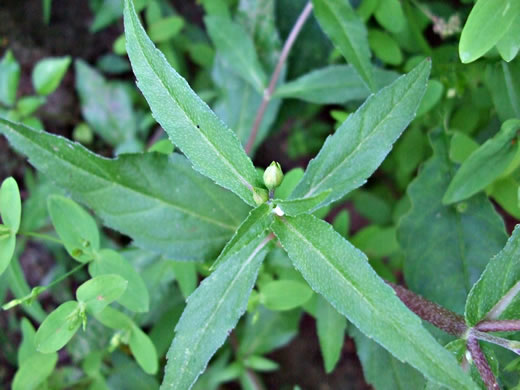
[499, 326]
[276, 74]
[437, 315]
[512, 345]
[482, 364]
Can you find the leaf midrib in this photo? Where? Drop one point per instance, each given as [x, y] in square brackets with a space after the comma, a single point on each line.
[360, 144]
[114, 183]
[396, 328]
[242, 179]
[230, 286]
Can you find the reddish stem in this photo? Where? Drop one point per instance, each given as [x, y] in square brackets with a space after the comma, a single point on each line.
[482, 364]
[276, 74]
[499, 326]
[437, 315]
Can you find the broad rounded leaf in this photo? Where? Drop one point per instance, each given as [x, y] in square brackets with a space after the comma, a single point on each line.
[76, 228]
[135, 297]
[34, 370]
[58, 328]
[47, 74]
[10, 204]
[100, 291]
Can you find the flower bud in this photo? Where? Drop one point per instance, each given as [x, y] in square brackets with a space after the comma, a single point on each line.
[273, 175]
[260, 196]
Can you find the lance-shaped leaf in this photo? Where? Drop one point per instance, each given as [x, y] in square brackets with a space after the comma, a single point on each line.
[495, 294]
[237, 49]
[342, 274]
[346, 29]
[381, 369]
[187, 217]
[362, 142]
[213, 148]
[212, 311]
[485, 164]
[331, 327]
[488, 21]
[334, 84]
[257, 221]
[34, 370]
[294, 207]
[444, 266]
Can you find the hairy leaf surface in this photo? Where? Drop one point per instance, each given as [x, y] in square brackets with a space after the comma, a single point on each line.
[495, 295]
[212, 311]
[213, 148]
[187, 217]
[342, 274]
[362, 142]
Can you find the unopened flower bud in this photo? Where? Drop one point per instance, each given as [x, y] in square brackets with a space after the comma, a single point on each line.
[273, 175]
[260, 196]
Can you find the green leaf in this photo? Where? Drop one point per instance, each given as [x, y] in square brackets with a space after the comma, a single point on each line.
[9, 78]
[143, 350]
[444, 266]
[341, 273]
[505, 193]
[34, 370]
[135, 297]
[106, 106]
[256, 223]
[29, 104]
[281, 295]
[76, 228]
[266, 330]
[509, 45]
[487, 23]
[166, 28]
[381, 369]
[10, 204]
[334, 84]
[331, 327]
[485, 164]
[48, 73]
[385, 47]
[261, 364]
[495, 294]
[289, 183]
[294, 207]
[186, 275]
[27, 348]
[212, 311]
[237, 49]
[362, 142]
[129, 192]
[239, 102]
[213, 148]
[58, 328]
[461, 147]
[100, 291]
[114, 319]
[346, 29]
[503, 80]
[432, 96]
[390, 15]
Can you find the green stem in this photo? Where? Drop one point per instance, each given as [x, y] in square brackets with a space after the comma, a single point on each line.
[41, 237]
